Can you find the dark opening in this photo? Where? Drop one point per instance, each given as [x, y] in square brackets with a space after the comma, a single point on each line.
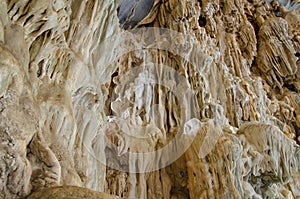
[202, 21]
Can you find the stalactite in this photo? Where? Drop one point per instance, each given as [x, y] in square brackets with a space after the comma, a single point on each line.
[149, 99]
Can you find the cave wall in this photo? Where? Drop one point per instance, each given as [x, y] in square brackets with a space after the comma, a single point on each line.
[150, 99]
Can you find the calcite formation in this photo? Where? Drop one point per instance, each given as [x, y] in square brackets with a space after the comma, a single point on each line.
[70, 192]
[149, 99]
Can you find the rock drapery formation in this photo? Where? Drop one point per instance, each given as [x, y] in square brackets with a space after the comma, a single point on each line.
[150, 99]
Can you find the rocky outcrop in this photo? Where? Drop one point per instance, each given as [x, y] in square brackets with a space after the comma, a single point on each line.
[69, 192]
[149, 99]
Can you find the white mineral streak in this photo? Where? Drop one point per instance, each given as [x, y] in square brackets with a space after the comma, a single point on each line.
[204, 105]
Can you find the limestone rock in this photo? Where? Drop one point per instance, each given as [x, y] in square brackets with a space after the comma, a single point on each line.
[149, 99]
[70, 192]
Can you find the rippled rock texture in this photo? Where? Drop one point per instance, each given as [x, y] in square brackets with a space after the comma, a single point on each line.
[149, 99]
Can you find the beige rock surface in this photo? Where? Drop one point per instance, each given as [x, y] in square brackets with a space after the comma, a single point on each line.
[70, 192]
[204, 105]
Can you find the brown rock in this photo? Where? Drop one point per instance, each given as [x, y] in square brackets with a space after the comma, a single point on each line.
[69, 192]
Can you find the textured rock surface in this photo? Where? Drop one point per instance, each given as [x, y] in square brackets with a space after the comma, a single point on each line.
[62, 99]
[70, 192]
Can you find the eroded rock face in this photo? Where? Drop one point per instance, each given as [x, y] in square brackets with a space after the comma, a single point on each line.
[63, 192]
[149, 99]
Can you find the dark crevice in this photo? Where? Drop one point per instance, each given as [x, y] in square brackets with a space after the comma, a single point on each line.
[40, 68]
[200, 3]
[291, 87]
[10, 9]
[12, 17]
[111, 95]
[202, 21]
[28, 19]
[278, 13]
